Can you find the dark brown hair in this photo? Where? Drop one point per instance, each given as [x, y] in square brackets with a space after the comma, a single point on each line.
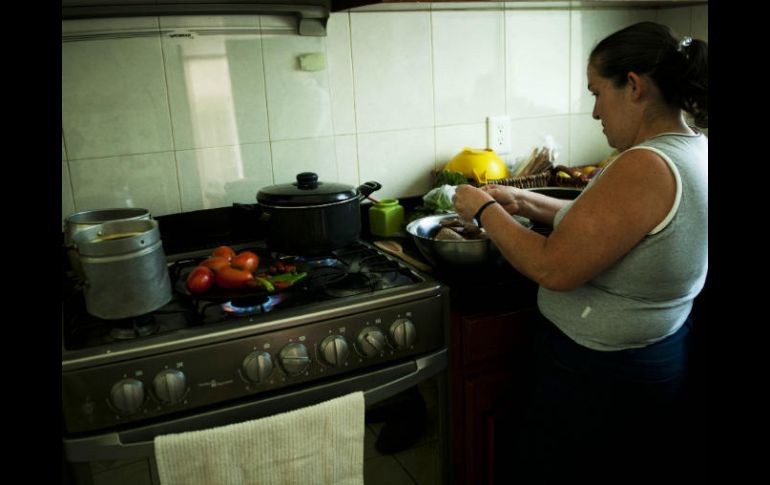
[678, 66]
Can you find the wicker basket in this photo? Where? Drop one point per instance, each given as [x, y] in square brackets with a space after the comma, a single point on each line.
[544, 179]
[529, 182]
[562, 182]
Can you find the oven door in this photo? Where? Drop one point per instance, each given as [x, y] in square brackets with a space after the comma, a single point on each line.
[127, 456]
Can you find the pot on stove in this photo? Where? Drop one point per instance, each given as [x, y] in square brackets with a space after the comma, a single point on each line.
[125, 268]
[312, 217]
[79, 221]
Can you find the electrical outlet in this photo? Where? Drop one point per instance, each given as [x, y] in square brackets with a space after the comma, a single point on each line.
[499, 134]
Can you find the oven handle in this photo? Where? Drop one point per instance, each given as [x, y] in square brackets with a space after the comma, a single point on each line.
[376, 385]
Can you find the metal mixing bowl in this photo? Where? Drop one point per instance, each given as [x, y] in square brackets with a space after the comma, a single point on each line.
[441, 253]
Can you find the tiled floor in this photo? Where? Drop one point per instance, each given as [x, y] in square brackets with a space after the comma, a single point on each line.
[418, 465]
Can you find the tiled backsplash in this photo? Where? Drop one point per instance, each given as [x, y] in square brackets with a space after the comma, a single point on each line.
[176, 114]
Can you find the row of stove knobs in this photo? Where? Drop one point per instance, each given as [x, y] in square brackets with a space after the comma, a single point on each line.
[127, 395]
[334, 350]
[170, 385]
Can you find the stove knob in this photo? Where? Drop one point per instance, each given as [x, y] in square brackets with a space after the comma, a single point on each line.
[334, 350]
[170, 385]
[294, 359]
[402, 333]
[127, 395]
[371, 341]
[257, 366]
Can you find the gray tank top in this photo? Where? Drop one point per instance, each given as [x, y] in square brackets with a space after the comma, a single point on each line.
[647, 295]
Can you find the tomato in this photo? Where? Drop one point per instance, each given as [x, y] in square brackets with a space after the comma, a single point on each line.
[200, 279]
[216, 263]
[224, 251]
[232, 278]
[246, 260]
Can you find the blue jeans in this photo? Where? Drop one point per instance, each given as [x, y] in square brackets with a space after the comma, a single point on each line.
[605, 417]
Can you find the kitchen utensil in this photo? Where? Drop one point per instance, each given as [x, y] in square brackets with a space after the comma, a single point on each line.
[449, 253]
[386, 218]
[394, 248]
[78, 221]
[125, 268]
[479, 165]
[311, 217]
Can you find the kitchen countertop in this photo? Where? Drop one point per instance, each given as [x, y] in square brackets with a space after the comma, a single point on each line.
[496, 287]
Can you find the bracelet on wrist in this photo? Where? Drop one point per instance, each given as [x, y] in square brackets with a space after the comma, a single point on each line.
[477, 217]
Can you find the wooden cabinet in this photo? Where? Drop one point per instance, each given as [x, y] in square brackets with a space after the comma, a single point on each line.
[491, 376]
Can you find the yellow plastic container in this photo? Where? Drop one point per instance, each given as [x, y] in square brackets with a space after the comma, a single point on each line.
[386, 218]
[478, 164]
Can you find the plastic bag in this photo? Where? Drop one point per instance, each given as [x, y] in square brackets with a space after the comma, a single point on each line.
[541, 158]
[440, 198]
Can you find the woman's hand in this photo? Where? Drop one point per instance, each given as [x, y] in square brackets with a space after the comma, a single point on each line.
[506, 196]
[468, 200]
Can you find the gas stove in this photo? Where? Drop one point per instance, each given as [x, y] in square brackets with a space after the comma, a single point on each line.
[357, 311]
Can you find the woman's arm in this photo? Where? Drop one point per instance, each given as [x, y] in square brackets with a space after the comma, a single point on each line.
[533, 206]
[608, 220]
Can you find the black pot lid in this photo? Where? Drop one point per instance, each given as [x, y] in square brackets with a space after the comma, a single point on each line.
[306, 191]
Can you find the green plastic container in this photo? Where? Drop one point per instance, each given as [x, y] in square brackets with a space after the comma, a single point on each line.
[386, 218]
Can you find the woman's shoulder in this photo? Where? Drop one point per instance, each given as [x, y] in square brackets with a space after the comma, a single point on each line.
[636, 160]
[676, 139]
[677, 148]
[639, 166]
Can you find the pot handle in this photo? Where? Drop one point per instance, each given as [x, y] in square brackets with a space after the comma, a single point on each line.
[256, 208]
[369, 187]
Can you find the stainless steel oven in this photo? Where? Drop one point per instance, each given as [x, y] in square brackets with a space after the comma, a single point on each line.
[359, 321]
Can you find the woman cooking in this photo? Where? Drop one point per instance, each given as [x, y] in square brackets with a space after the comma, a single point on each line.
[619, 272]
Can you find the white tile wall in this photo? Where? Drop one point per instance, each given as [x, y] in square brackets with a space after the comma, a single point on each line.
[468, 66]
[347, 159]
[215, 83]
[114, 99]
[67, 202]
[588, 27]
[587, 143]
[185, 123]
[298, 102]
[392, 70]
[677, 18]
[219, 176]
[700, 23]
[291, 157]
[341, 74]
[450, 140]
[537, 63]
[552, 132]
[148, 180]
[401, 161]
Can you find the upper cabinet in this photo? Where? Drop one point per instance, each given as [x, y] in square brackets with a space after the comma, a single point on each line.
[312, 15]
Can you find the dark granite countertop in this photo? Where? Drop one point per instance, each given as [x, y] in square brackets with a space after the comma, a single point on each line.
[495, 287]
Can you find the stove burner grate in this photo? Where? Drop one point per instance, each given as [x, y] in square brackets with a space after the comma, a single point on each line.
[371, 273]
[131, 328]
[252, 306]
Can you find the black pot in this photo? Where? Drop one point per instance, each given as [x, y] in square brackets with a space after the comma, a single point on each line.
[311, 217]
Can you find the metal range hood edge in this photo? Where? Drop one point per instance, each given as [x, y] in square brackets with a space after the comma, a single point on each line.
[312, 15]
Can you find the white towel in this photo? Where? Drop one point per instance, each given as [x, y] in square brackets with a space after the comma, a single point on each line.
[321, 444]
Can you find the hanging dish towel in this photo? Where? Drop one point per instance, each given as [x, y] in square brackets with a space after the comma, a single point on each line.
[321, 444]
